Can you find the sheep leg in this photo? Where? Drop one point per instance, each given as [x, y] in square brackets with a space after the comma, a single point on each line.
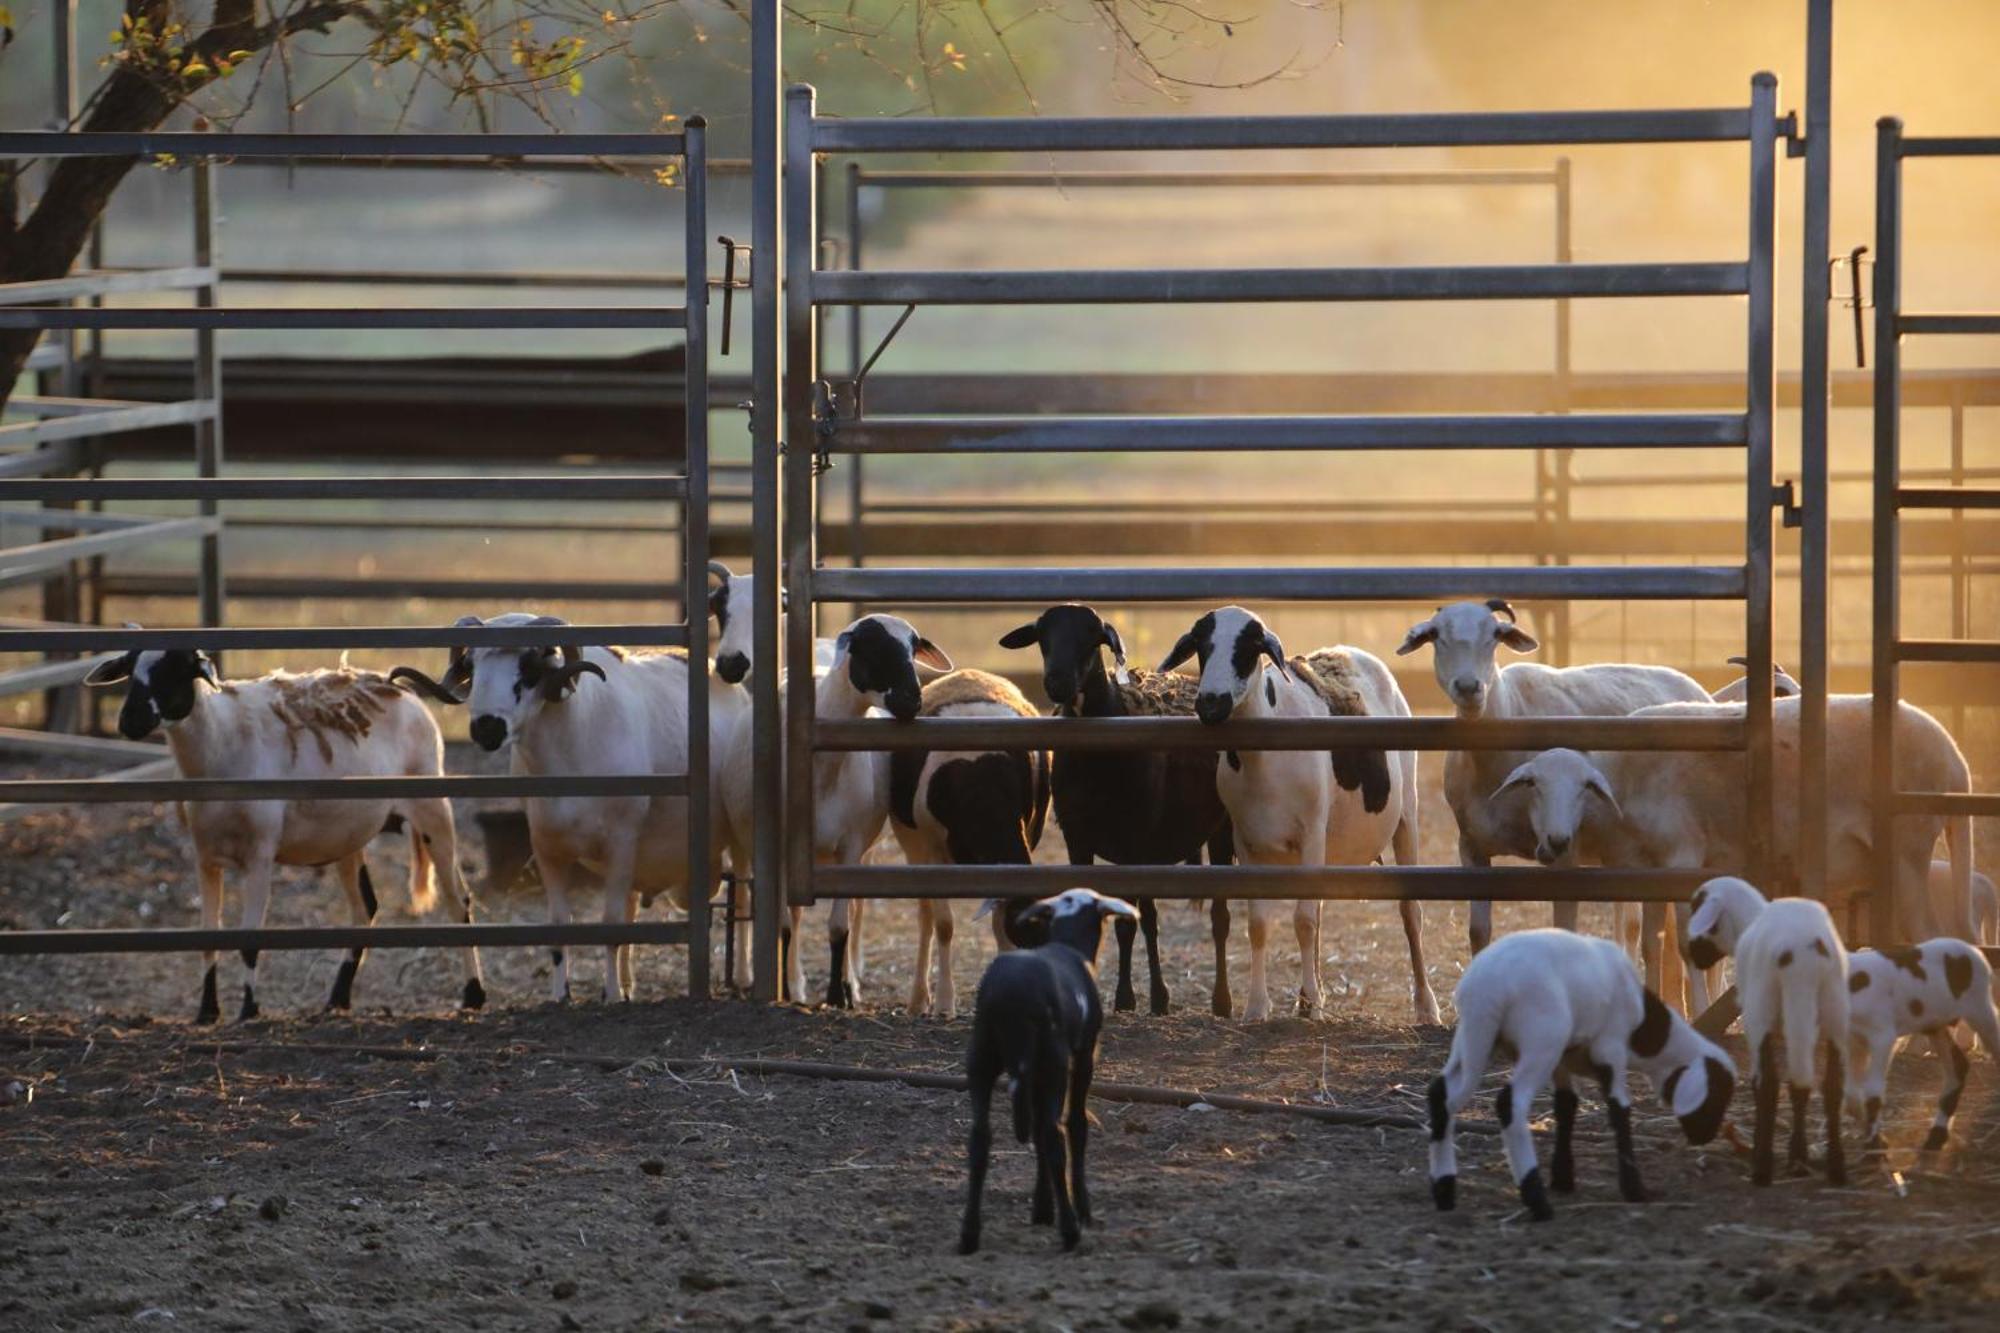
[1258, 1008]
[855, 911]
[1052, 1147]
[1404, 843]
[983, 1073]
[555, 886]
[1149, 926]
[1514, 1107]
[1610, 1070]
[1127, 930]
[1221, 852]
[1562, 1163]
[740, 912]
[1832, 1094]
[1080, 1071]
[361, 907]
[1765, 1088]
[1955, 1067]
[1305, 924]
[839, 994]
[620, 907]
[432, 830]
[920, 981]
[791, 937]
[1652, 922]
[947, 989]
[1479, 914]
[1444, 1143]
[256, 903]
[1874, 1082]
[210, 876]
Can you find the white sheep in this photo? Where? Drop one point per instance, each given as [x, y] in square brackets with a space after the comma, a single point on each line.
[963, 807]
[633, 719]
[1290, 807]
[874, 667]
[1928, 989]
[1569, 1006]
[324, 724]
[1465, 638]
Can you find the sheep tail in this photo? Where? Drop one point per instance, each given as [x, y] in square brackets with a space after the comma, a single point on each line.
[1799, 991]
[423, 871]
[1024, 1067]
[1471, 1053]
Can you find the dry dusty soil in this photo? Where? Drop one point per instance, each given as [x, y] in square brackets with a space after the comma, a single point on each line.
[543, 1168]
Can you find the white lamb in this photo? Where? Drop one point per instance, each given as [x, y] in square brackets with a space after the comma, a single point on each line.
[1568, 1005]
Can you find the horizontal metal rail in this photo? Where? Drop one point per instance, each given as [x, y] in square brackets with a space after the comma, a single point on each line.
[386, 277]
[481, 935]
[99, 791]
[1185, 733]
[55, 405]
[62, 143]
[216, 639]
[89, 520]
[1246, 882]
[1207, 584]
[596, 487]
[21, 739]
[1948, 497]
[102, 282]
[1967, 651]
[1980, 322]
[110, 421]
[1522, 282]
[296, 587]
[1064, 179]
[48, 675]
[227, 319]
[1951, 146]
[63, 456]
[22, 563]
[1057, 134]
[1981, 805]
[1198, 434]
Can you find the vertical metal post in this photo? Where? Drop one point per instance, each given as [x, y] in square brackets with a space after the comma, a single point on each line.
[1961, 593]
[1761, 398]
[857, 499]
[207, 389]
[767, 774]
[1564, 647]
[694, 552]
[62, 707]
[824, 249]
[801, 371]
[1888, 540]
[1815, 524]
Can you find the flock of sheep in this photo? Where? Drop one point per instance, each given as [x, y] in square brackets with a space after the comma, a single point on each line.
[1565, 1005]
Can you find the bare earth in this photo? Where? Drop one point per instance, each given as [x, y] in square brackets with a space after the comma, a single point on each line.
[504, 1182]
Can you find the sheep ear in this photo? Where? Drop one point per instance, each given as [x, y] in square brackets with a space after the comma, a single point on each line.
[1183, 649]
[1276, 652]
[1421, 633]
[115, 671]
[1117, 647]
[1517, 638]
[841, 643]
[1600, 784]
[204, 667]
[1023, 636]
[1523, 777]
[929, 654]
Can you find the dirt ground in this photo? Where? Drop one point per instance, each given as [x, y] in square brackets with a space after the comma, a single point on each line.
[535, 1167]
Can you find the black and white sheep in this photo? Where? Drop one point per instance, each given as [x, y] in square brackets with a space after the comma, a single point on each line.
[1289, 807]
[1927, 989]
[1569, 1006]
[633, 719]
[323, 724]
[1036, 1020]
[963, 807]
[1129, 807]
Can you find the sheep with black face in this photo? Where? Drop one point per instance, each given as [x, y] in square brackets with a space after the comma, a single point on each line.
[1129, 807]
[1305, 808]
[1036, 1020]
[597, 711]
[323, 724]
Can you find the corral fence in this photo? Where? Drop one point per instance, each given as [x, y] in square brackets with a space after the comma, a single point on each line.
[1893, 496]
[210, 489]
[813, 415]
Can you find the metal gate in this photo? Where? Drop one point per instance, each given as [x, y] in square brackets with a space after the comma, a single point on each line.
[210, 488]
[1892, 497]
[812, 429]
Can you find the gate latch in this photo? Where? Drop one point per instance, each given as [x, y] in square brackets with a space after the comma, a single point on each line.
[827, 395]
[728, 282]
[1785, 499]
[1856, 298]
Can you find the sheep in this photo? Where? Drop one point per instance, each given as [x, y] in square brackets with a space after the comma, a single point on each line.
[1736, 691]
[631, 720]
[1897, 993]
[958, 807]
[875, 663]
[1464, 637]
[1143, 807]
[1568, 1006]
[1036, 1018]
[323, 724]
[1984, 907]
[1293, 807]
[1685, 810]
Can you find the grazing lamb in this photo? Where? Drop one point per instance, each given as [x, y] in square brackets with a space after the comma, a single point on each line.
[1036, 1019]
[874, 667]
[631, 720]
[1465, 637]
[1928, 989]
[956, 807]
[1130, 807]
[1293, 807]
[1569, 1006]
[1738, 690]
[324, 724]
[1685, 810]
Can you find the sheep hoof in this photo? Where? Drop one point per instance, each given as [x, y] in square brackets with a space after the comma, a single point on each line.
[1938, 1137]
[249, 1009]
[1220, 1004]
[1444, 1192]
[968, 1242]
[1535, 1197]
[1161, 1005]
[475, 995]
[1125, 1001]
[1072, 1236]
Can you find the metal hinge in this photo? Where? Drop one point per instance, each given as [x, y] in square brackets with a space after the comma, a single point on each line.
[1785, 499]
[728, 283]
[1788, 126]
